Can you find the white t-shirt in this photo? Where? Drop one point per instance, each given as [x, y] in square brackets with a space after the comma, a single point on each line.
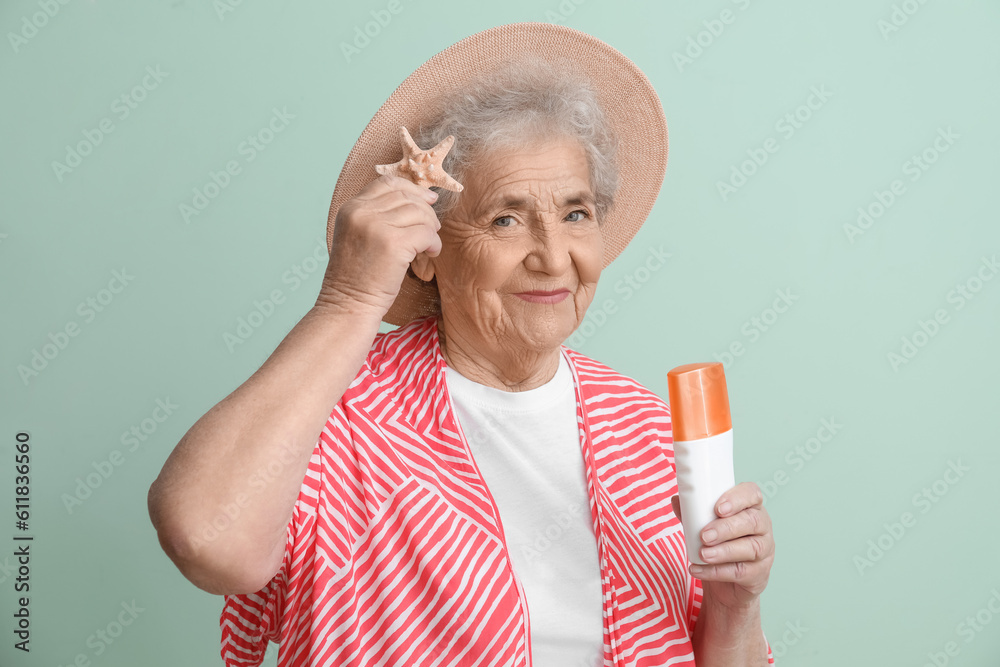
[527, 447]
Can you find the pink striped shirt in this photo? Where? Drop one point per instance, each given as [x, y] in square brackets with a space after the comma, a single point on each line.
[395, 554]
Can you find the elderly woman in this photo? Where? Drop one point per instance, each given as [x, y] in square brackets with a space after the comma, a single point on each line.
[464, 489]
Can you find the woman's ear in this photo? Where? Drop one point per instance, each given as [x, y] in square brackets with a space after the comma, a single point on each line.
[422, 267]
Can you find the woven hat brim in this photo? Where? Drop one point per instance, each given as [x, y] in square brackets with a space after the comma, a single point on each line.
[628, 99]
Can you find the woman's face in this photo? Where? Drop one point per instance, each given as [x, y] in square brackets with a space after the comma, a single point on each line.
[524, 223]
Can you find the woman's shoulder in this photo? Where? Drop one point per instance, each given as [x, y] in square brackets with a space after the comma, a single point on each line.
[599, 379]
[405, 352]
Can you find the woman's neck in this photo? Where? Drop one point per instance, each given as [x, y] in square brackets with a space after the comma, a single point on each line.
[508, 368]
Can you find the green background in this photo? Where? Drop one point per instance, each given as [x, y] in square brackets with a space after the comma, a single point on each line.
[825, 357]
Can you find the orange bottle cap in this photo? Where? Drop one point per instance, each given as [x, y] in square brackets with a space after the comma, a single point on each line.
[699, 401]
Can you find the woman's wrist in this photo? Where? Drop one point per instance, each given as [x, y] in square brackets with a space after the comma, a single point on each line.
[729, 636]
[734, 612]
[336, 304]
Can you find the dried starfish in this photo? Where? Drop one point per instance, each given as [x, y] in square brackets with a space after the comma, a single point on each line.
[420, 166]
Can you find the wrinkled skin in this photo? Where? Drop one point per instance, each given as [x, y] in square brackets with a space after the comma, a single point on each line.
[490, 252]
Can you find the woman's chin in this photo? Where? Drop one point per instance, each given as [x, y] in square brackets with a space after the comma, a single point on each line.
[544, 326]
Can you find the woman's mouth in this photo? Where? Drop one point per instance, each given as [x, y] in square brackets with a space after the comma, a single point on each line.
[540, 296]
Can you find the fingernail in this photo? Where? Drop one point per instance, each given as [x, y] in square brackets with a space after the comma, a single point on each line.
[709, 536]
[725, 507]
[432, 195]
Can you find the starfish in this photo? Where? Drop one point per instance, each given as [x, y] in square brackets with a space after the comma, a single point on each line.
[420, 166]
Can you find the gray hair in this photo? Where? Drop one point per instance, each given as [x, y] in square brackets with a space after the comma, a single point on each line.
[523, 100]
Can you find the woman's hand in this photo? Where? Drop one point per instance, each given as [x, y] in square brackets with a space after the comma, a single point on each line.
[738, 547]
[376, 235]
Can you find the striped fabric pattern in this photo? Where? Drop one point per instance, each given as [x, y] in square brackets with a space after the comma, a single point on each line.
[395, 554]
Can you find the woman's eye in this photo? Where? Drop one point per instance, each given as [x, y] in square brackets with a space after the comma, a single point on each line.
[498, 222]
[580, 211]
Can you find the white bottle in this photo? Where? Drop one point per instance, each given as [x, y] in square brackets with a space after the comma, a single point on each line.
[703, 446]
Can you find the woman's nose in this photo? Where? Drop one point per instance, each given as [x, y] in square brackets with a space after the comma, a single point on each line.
[549, 252]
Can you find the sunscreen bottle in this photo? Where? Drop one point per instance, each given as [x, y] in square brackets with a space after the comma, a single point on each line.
[703, 446]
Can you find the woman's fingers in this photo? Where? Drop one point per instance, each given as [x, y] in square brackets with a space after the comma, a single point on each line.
[749, 548]
[751, 575]
[738, 498]
[384, 184]
[377, 234]
[750, 521]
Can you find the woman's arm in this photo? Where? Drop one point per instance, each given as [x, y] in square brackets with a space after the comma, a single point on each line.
[739, 550]
[223, 501]
[219, 471]
[727, 638]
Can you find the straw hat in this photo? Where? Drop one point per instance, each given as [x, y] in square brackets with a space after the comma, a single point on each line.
[626, 96]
